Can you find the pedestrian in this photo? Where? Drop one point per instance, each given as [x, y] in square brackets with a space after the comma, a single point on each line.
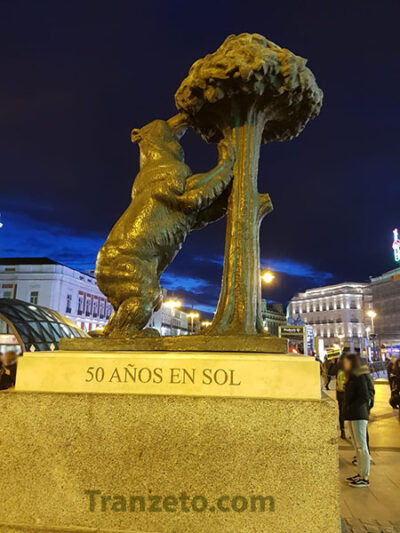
[340, 386]
[391, 373]
[8, 370]
[326, 372]
[395, 385]
[358, 400]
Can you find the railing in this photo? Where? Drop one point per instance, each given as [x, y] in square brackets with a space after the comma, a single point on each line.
[377, 367]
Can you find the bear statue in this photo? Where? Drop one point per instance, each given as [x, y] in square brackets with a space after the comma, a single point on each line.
[167, 203]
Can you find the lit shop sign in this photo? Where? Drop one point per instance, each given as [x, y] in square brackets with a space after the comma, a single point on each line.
[396, 245]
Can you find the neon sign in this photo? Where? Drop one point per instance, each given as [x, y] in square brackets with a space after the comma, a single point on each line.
[396, 245]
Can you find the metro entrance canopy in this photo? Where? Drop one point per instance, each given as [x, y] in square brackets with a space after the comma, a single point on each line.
[24, 325]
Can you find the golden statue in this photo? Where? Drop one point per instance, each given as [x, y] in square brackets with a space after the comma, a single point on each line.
[250, 91]
[167, 203]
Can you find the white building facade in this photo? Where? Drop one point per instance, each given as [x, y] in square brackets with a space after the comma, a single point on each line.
[170, 321]
[386, 298]
[337, 313]
[74, 294]
[45, 282]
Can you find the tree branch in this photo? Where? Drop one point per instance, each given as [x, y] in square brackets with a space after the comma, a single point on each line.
[264, 205]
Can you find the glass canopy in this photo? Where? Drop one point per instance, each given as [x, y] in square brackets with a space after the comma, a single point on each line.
[29, 325]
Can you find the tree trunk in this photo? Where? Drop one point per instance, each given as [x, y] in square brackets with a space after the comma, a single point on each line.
[239, 306]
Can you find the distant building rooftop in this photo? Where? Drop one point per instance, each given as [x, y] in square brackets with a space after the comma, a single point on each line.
[39, 261]
[28, 261]
[339, 287]
[391, 275]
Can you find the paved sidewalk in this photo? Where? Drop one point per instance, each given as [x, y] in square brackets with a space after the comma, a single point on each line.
[377, 508]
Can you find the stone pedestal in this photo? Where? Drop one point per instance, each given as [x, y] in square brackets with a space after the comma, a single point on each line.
[167, 464]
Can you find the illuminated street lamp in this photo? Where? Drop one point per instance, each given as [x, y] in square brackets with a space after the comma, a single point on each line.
[340, 336]
[192, 315]
[173, 304]
[206, 324]
[372, 315]
[268, 276]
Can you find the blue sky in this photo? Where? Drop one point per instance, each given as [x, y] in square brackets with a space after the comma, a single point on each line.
[75, 82]
[25, 235]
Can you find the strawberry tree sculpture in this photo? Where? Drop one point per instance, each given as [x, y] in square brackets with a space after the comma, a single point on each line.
[249, 91]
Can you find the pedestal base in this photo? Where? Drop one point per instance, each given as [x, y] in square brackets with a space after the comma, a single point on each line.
[167, 464]
[182, 343]
[239, 375]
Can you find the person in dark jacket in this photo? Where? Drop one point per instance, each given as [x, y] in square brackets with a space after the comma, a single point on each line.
[327, 372]
[340, 387]
[8, 370]
[394, 380]
[358, 400]
[391, 371]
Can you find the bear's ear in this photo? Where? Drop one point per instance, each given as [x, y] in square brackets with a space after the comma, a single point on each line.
[135, 135]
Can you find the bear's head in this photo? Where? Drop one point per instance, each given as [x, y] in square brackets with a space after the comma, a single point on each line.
[160, 139]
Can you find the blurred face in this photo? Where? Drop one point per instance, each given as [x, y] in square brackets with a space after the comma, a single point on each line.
[346, 364]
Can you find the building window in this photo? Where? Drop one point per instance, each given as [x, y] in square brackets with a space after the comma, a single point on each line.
[34, 298]
[68, 308]
[7, 294]
[102, 309]
[88, 306]
[95, 303]
[80, 305]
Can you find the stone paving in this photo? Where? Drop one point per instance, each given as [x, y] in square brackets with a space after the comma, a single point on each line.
[373, 526]
[377, 508]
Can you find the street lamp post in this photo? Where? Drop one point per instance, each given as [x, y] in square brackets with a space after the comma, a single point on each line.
[192, 316]
[340, 336]
[267, 277]
[372, 315]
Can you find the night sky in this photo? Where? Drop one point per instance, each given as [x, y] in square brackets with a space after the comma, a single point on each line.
[77, 76]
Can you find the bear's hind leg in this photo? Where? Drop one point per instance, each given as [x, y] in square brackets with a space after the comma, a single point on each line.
[132, 316]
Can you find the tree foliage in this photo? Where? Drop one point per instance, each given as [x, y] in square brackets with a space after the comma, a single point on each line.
[249, 70]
